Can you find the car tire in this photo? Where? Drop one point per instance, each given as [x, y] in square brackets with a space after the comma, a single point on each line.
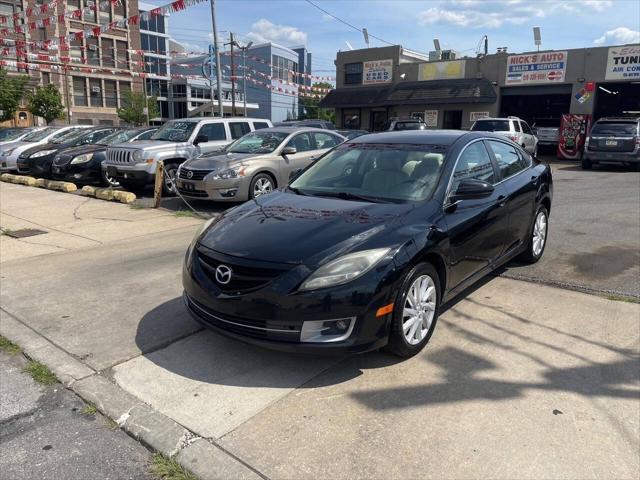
[169, 188]
[401, 339]
[261, 184]
[108, 181]
[537, 233]
[586, 164]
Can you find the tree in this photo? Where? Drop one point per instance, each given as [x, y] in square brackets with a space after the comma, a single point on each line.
[11, 93]
[133, 110]
[310, 104]
[46, 102]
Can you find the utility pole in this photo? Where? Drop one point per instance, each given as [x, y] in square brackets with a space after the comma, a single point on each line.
[216, 47]
[211, 66]
[146, 99]
[66, 94]
[244, 71]
[233, 79]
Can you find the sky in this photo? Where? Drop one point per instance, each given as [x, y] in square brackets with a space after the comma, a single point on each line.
[458, 24]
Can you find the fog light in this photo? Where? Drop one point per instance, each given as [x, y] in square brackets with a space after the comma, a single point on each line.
[77, 175]
[324, 331]
[229, 193]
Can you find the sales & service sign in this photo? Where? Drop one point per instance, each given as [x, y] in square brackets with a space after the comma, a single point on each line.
[544, 67]
[623, 63]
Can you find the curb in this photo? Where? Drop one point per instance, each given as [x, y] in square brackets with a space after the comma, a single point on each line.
[68, 187]
[152, 428]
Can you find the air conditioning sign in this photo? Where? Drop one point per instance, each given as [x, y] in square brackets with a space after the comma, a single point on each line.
[545, 67]
[623, 63]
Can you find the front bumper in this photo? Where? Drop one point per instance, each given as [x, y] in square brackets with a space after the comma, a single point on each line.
[224, 190]
[40, 166]
[617, 157]
[137, 176]
[273, 316]
[89, 172]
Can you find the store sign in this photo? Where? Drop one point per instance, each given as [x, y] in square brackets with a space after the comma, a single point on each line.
[431, 118]
[623, 63]
[546, 67]
[378, 71]
[441, 70]
[473, 116]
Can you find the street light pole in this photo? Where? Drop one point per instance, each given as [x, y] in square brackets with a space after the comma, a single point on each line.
[216, 47]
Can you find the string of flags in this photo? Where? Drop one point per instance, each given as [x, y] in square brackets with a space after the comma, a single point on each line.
[31, 11]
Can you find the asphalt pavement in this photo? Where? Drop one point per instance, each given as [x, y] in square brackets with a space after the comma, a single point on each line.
[46, 433]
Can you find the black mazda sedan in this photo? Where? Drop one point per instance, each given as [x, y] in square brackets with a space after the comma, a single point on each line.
[83, 164]
[38, 160]
[361, 250]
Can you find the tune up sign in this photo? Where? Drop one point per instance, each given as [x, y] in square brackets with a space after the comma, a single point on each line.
[623, 63]
[545, 67]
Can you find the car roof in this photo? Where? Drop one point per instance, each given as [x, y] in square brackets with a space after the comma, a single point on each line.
[293, 128]
[619, 119]
[218, 119]
[418, 137]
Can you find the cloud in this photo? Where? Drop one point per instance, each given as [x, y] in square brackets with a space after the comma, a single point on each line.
[265, 31]
[597, 5]
[468, 18]
[618, 36]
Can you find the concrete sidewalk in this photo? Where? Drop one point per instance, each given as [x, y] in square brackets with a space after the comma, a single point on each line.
[519, 381]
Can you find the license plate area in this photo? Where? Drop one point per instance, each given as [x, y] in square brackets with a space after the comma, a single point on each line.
[611, 143]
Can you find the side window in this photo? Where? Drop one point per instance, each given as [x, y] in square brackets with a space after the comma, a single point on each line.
[474, 162]
[516, 125]
[146, 135]
[239, 129]
[213, 131]
[325, 140]
[101, 134]
[260, 125]
[509, 161]
[301, 142]
[526, 129]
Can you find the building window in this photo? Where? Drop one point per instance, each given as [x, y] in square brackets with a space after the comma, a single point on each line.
[93, 51]
[180, 91]
[110, 94]
[89, 14]
[156, 88]
[73, 5]
[75, 50]
[108, 57]
[39, 34]
[352, 73]
[153, 23]
[104, 11]
[122, 54]
[155, 65]
[125, 88]
[95, 90]
[164, 108]
[283, 69]
[180, 110]
[79, 92]
[351, 119]
[119, 9]
[46, 78]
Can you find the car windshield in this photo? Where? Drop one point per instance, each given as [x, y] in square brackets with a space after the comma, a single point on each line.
[11, 134]
[39, 135]
[409, 126]
[120, 136]
[175, 131]
[491, 126]
[68, 135]
[614, 128]
[375, 173]
[258, 142]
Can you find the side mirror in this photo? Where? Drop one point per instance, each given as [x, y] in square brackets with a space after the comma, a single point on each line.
[201, 138]
[470, 189]
[294, 174]
[289, 151]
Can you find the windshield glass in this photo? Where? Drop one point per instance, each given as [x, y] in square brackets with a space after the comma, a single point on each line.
[39, 135]
[9, 134]
[68, 135]
[258, 142]
[375, 172]
[175, 131]
[120, 136]
[491, 126]
[614, 128]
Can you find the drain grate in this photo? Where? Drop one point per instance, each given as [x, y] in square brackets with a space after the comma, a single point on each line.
[24, 232]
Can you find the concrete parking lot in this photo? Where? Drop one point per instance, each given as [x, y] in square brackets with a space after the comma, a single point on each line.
[522, 379]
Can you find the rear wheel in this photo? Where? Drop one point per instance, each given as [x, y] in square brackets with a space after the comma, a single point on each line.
[537, 237]
[415, 312]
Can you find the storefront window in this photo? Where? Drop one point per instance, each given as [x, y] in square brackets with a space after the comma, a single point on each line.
[352, 73]
[351, 119]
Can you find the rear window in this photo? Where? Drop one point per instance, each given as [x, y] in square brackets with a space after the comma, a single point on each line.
[614, 128]
[409, 126]
[239, 129]
[492, 126]
[260, 125]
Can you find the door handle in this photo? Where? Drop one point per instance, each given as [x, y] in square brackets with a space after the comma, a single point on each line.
[502, 201]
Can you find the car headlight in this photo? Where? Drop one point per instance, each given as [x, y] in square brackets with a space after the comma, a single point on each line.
[82, 158]
[344, 269]
[6, 153]
[137, 155]
[200, 231]
[42, 153]
[229, 173]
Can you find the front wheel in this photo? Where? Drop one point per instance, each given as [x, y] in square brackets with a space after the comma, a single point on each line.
[538, 236]
[261, 185]
[415, 312]
[108, 180]
[169, 188]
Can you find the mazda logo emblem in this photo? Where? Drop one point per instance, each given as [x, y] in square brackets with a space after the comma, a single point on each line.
[223, 274]
[189, 174]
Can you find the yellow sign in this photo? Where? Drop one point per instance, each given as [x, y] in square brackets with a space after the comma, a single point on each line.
[441, 70]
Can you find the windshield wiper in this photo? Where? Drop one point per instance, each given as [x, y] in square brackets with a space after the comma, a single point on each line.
[352, 196]
[297, 191]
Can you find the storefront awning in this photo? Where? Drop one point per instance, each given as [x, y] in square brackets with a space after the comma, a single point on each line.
[467, 90]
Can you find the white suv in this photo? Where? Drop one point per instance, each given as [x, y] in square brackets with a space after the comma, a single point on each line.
[513, 128]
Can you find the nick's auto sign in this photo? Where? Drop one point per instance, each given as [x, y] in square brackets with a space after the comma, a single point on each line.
[623, 63]
[545, 67]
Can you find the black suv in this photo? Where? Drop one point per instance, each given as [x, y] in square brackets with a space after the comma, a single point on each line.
[613, 140]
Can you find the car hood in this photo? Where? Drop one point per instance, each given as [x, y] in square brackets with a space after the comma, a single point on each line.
[82, 149]
[214, 162]
[151, 145]
[286, 228]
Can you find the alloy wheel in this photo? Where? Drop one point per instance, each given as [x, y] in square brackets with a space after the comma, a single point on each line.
[263, 185]
[419, 309]
[539, 233]
[170, 180]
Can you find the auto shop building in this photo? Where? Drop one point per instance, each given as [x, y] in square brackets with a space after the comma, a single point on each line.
[375, 84]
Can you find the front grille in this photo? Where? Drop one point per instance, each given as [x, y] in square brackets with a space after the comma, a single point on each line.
[244, 326]
[244, 278]
[195, 174]
[193, 193]
[61, 160]
[119, 155]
